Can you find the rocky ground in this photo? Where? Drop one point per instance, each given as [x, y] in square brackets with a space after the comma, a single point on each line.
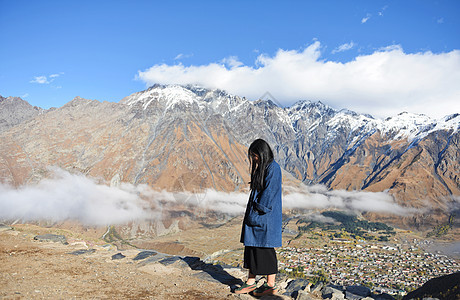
[50, 263]
[31, 269]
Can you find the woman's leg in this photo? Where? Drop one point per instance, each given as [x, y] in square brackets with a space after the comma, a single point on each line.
[267, 288]
[271, 279]
[251, 278]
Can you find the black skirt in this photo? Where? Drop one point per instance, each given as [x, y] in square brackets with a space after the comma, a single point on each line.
[260, 261]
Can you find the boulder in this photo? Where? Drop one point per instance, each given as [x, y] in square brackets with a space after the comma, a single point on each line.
[83, 251]
[4, 227]
[144, 254]
[329, 290]
[293, 288]
[304, 295]
[358, 291]
[444, 287]
[337, 296]
[118, 256]
[317, 287]
[55, 238]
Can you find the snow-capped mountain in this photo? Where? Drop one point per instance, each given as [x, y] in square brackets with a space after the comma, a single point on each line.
[188, 138]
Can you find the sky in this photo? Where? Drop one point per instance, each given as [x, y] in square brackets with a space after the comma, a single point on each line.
[375, 57]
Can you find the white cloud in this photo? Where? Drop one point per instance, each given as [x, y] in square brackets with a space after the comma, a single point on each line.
[366, 18]
[46, 79]
[383, 83]
[343, 47]
[232, 62]
[380, 13]
[65, 196]
[182, 56]
[318, 197]
[40, 80]
[71, 196]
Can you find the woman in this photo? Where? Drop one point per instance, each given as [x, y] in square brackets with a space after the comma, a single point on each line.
[261, 230]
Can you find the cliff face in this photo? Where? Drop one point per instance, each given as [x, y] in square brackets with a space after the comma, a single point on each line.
[14, 110]
[189, 138]
[416, 173]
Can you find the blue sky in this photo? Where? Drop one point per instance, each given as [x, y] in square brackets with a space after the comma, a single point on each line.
[377, 57]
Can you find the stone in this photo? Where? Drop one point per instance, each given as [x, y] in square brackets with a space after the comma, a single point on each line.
[118, 256]
[303, 295]
[218, 277]
[358, 290]
[4, 227]
[282, 284]
[243, 296]
[154, 259]
[83, 251]
[274, 297]
[144, 254]
[210, 272]
[295, 286]
[55, 238]
[352, 296]
[383, 296]
[328, 290]
[317, 287]
[175, 261]
[195, 263]
[337, 296]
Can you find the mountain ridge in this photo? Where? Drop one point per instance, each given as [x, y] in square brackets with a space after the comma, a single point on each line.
[192, 138]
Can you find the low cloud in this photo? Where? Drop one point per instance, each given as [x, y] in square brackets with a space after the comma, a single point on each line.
[319, 197]
[65, 196]
[383, 83]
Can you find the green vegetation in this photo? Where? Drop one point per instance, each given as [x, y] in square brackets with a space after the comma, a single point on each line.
[298, 272]
[320, 276]
[113, 236]
[349, 225]
[442, 229]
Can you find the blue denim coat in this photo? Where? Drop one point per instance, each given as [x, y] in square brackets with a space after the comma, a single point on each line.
[262, 223]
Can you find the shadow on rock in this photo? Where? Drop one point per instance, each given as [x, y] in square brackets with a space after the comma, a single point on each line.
[211, 272]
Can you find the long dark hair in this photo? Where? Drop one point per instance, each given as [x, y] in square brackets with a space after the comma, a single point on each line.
[258, 170]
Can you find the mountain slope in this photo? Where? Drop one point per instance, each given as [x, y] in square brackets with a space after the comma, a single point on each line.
[190, 138]
[14, 110]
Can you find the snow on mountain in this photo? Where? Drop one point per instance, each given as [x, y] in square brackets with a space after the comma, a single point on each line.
[406, 125]
[166, 135]
[169, 96]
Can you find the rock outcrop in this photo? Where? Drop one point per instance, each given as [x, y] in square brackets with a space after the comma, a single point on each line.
[14, 111]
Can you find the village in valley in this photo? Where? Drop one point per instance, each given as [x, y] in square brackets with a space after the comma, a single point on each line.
[353, 251]
[389, 269]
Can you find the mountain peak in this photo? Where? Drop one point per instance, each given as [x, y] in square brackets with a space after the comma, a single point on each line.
[14, 110]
